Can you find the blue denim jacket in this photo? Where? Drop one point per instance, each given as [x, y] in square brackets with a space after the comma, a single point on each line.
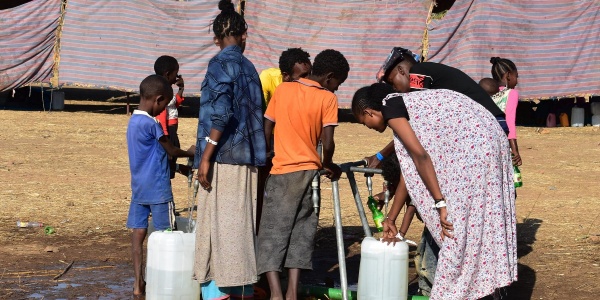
[231, 102]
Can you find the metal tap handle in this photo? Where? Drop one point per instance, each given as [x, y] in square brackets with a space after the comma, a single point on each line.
[369, 183]
[190, 163]
[196, 186]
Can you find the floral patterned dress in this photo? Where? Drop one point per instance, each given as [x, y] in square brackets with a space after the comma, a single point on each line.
[471, 157]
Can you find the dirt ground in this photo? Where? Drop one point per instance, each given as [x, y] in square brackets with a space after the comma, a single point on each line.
[69, 170]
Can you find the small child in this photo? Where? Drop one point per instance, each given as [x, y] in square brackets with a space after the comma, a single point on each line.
[168, 67]
[506, 75]
[148, 148]
[490, 85]
[391, 173]
[304, 112]
[294, 63]
[427, 249]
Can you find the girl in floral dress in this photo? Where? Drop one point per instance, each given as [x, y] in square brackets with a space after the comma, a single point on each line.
[456, 167]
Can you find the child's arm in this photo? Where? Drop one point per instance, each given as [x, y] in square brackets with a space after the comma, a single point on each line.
[334, 171]
[423, 164]
[225, 71]
[162, 119]
[174, 151]
[179, 95]
[511, 116]
[400, 197]
[269, 125]
[373, 161]
[408, 216]
[209, 150]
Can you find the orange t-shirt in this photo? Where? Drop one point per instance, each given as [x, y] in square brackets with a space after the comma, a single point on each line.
[300, 110]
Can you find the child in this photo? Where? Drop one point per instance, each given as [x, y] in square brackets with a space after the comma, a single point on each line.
[294, 63]
[489, 85]
[168, 67]
[455, 165]
[505, 73]
[430, 75]
[231, 145]
[304, 112]
[427, 249]
[148, 148]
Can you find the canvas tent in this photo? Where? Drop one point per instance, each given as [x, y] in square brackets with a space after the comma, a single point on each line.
[112, 44]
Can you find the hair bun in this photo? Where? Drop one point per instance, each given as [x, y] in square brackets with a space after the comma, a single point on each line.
[226, 5]
[495, 60]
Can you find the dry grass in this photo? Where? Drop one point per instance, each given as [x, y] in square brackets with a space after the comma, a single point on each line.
[70, 170]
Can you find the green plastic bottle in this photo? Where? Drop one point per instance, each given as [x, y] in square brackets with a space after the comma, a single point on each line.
[377, 214]
[517, 177]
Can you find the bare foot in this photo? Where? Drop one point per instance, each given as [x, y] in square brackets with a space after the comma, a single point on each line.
[140, 291]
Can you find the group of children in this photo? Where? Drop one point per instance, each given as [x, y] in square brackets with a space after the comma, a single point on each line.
[300, 110]
[377, 107]
[256, 155]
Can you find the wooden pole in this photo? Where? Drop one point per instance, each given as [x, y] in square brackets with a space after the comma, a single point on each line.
[127, 94]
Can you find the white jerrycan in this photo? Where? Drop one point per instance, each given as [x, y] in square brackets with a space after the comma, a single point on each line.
[170, 266]
[383, 273]
[577, 117]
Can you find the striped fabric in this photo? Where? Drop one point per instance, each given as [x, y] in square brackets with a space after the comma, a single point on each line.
[114, 43]
[27, 38]
[364, 31]
[555, 43]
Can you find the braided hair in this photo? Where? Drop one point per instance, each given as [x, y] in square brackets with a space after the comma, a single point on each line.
[501, 66]
[228, 22]
[370, 97]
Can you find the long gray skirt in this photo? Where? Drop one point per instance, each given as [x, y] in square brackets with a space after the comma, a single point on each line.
[225, 230]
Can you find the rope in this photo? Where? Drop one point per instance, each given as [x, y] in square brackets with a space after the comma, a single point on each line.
[59, 29]
[425, 42]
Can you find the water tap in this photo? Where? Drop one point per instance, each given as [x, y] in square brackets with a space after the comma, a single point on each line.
[369, 183]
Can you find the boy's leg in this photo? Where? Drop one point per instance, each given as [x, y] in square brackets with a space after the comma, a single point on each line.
[281, 204]
[274, 285]
[163, 215]
[137, 256]
[299, 255]
[137, 220]
[292, 289]
[172, 130]
[428, 252]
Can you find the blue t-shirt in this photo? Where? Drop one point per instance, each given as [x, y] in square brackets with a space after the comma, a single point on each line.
[150, 177]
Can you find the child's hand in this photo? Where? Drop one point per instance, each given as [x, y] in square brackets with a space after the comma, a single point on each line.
[372, 161]
[333, 171]
[203, 169]
[179, 82]
[389, 229]
[380, 198]
[516, 159]
[192, 151]
[447, 227]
